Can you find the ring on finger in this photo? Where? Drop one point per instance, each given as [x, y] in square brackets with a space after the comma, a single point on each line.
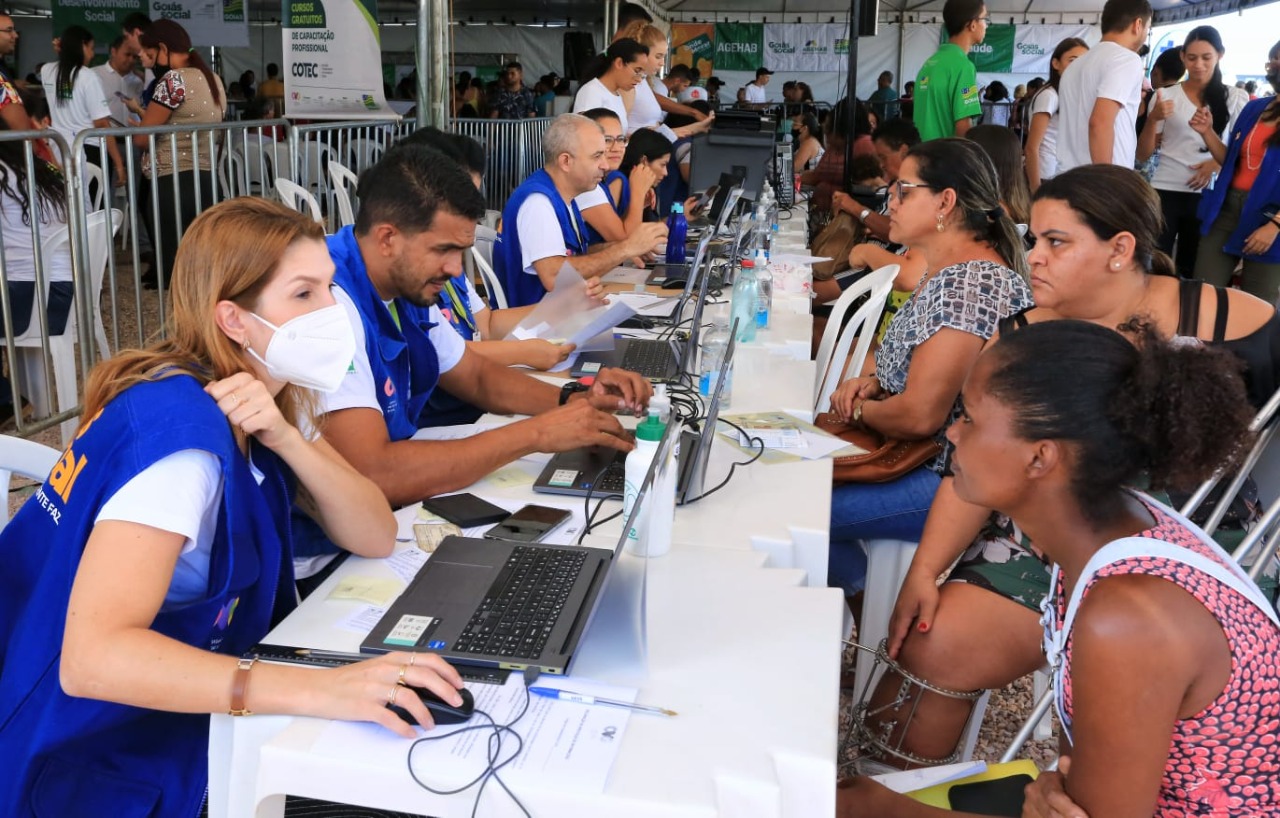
[235, 399]
[413, 657]
[391, 697]
[403, 668]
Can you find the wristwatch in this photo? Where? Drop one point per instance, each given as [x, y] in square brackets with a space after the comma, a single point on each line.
[571, 388]
[866, 211]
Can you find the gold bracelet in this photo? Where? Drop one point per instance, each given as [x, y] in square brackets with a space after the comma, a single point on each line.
[857, 412]
[239, 686]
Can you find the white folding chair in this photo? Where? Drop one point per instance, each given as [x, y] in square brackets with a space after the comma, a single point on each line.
[295, 196]
[25, 458]
[344, 184]
[837, 338]
[482, 253]
[62, 347]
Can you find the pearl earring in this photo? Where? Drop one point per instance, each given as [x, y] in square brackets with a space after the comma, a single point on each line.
[941, 226]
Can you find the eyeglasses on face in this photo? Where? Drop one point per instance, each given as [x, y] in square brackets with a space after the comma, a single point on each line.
[898, 189]
[9, 30]
[986, 21]
[615, 140]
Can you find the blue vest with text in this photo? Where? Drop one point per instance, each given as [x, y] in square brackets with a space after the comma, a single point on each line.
[508, 260]
[619, 206]
[72, 756]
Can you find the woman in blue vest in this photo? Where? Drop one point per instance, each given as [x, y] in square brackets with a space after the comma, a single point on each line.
[610, 210]
[155, 553]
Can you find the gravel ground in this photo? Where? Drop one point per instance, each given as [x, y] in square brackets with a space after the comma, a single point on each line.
[1006, 710]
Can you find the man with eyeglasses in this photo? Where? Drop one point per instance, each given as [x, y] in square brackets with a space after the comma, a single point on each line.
[542, 227]
[8, 45]
[1098, 96]
[946, 92]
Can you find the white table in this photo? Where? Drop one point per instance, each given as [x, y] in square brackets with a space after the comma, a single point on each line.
[739, 645]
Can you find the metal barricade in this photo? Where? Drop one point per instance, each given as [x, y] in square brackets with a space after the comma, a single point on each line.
[354, 145]
[172, 174]
[513, 150]
[42, 284]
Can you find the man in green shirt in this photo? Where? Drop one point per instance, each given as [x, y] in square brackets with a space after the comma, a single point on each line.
[946, 93]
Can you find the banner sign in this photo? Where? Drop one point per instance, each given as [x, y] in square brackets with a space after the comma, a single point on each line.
[333, 60]
[739, 46]
[1013, 49]
[208, 22]
[1033, 46]
[806, 47]
[101, 17]
[692, 45]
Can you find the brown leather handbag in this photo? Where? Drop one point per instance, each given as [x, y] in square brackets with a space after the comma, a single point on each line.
[886, 458]
[834, 242]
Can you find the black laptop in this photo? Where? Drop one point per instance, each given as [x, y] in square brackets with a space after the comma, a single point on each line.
[598, 471]
[497, 603]
[662, 273]
[660, 360]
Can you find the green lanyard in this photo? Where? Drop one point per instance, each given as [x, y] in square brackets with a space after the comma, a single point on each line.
[460, 307]
[395, 314]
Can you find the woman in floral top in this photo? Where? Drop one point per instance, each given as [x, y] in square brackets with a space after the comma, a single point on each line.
[945, 205]
[187, 93]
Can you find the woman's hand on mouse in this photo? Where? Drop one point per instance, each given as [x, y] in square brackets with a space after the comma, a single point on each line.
[362, 691]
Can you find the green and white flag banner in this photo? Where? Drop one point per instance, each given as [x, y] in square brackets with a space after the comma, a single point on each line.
[208, 22]
[1033, 45]
[333, 60]
[805, 47]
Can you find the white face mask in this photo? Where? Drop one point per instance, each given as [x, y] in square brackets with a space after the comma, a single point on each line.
[313, 351]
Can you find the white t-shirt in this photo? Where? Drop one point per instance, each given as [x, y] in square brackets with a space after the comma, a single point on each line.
[755, 93]
[357, 390]
[129, 85]
[539, 230]
[88, 101]
[645, 111]
[1180, 146]
[592, 198]
[191, 484]
[20, 261]
[1046, 102]
[1107, 71]
[593, 94]
[691, 94]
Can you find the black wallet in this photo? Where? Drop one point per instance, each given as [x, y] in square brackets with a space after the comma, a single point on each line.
[1002, 796]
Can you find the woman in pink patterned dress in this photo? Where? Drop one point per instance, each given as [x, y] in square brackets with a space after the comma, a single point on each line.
[1166, 657]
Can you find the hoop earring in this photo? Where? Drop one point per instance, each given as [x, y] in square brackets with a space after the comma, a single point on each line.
[941, 226]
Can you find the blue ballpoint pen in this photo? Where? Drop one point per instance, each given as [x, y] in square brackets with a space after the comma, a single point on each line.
[583, 698]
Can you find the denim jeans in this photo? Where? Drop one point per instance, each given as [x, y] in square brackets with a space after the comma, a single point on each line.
[873, 511]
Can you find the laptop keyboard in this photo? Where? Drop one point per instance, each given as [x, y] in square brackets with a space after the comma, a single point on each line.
[613, 480]
[650, 359]
[523, 603]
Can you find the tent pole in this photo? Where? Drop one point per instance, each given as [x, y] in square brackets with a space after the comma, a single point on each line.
[852, 96]
[432, 63]
[902, 47]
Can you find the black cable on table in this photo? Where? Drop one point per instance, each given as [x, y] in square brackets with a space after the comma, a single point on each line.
[733, 466]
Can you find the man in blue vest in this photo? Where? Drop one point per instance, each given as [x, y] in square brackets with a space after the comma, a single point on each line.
[418, 212]
[541, 226]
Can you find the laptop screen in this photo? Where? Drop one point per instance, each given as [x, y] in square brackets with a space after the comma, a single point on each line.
[694, 485]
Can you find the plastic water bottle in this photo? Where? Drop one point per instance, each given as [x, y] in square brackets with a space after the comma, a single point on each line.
[650, 534]
[764, 284]
[746, 295]
[677, 230]
[715, 342]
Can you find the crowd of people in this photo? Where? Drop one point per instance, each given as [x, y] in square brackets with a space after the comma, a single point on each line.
[1063, 329]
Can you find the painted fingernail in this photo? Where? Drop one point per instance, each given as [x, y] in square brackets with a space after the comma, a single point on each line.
[923, 627]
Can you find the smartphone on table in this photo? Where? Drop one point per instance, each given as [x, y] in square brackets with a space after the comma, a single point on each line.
[529, 524]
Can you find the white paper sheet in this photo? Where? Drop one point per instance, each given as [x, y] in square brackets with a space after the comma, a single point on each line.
[566, 745]
[567, 314]
[626, 275]
[646, 303]
[912, 780]
[362, 620]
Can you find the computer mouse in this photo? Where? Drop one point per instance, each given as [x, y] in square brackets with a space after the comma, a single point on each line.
[673, 283]
[441, 711]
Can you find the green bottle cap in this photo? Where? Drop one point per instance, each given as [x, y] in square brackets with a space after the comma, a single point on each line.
[651, 429]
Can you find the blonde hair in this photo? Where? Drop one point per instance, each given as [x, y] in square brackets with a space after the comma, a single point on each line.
[646, 34]
[229, 253]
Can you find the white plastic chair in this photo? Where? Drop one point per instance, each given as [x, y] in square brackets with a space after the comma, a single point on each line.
[344, 184]
[95, 185]
[62, 347]
[25, 458]
[482, 252]
[836, 341]
[295, 196]
[364, 152]
[231, 175]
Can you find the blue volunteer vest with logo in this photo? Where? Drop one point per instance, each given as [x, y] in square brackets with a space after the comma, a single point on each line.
[522, 288]
[403, 360]
[620, 206]
[68, 756]
[444, 408]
